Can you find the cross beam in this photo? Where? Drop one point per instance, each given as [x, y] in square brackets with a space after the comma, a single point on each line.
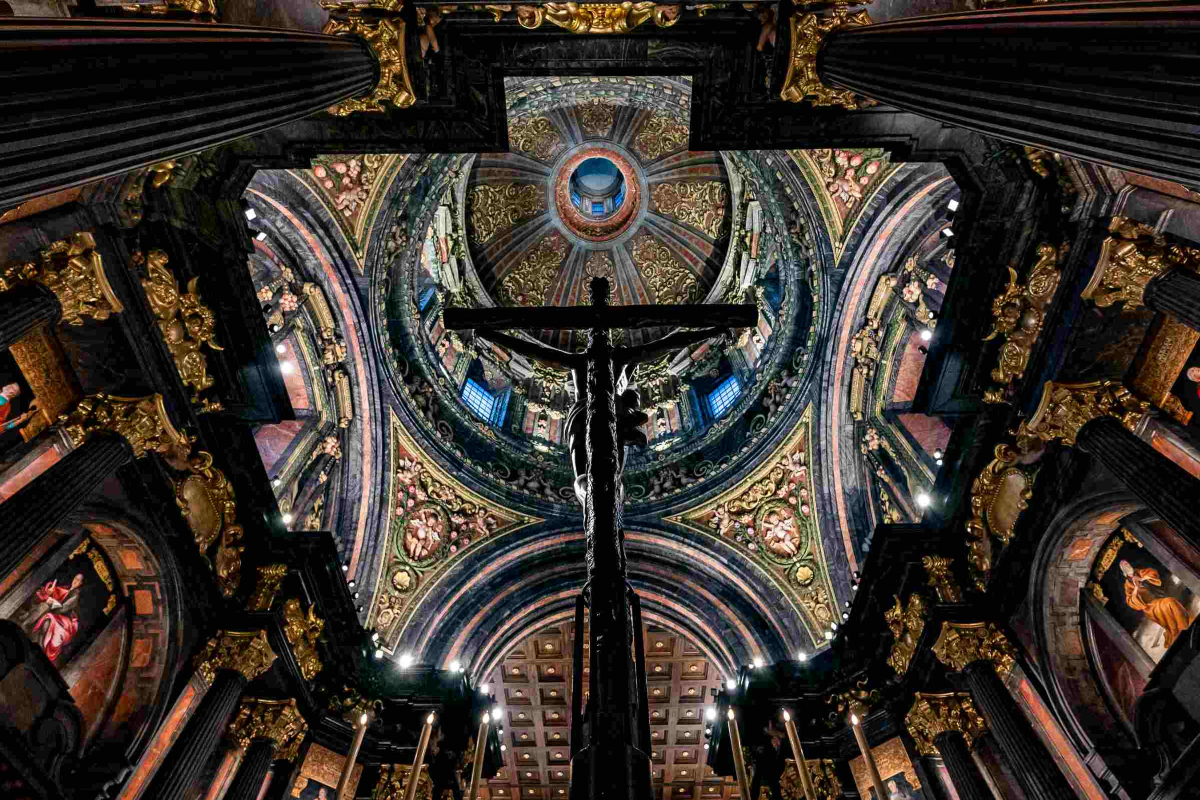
[588, 317]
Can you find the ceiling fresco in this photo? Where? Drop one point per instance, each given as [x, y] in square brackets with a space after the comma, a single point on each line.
[439, 459]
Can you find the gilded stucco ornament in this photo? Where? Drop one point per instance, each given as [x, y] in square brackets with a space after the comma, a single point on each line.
[999, 494]
[857, 700]
[528, 282]
[496, 207]
[906, 625]
[809, 32]
[941, 579]
[73, 270]
[270, 579]
[963, 643]
[302, 631]
[1019, 313]
[1132, 256]
[385, 36]
[142, 421]
[184, 321]
[1067, 407]
[536, 137]
[277, 720]
[670, 281]
[205, 499]
[598, 17]
[935, 714]
[700, 204]
[661, 134]
[247, 652]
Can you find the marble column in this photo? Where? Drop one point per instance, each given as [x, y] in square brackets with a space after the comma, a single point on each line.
[23, 308]
[252, 771]
[228, 662]
[982, 654]
[45, 502]
[964, 773]
[88, 98]
[1114, 83]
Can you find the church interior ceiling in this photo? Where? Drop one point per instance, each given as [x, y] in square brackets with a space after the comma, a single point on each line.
[439, 460]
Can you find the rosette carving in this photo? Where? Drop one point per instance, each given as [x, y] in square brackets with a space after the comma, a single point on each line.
[247, 652]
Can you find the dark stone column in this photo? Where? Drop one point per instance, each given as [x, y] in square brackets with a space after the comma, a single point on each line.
[964, 773]
[1176, 292]
[23, 308]
[1028, 758]
[1115, 83]
[252, 771]
[86, 98]
[191, 751]
[1157, 481]
[42, 505]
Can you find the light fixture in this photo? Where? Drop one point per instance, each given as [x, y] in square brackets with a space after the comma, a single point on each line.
[362, 720]
[455, 666]
[287, 519]
[281, 349]
[351, 583]
[758, 662]
[923, 500]
[406, 661]
[355, 595]
[375, 636]
[937, 453]
[496, 712]
[277, 483]
[503, 747]
[939, 462]
[731, 684]
[251, 214]
[845, 615]
[828, 635]
[287, 367]
[926, 334]
[345, 567]
[710, 714]
[483, 688]
[802, 657]
[378, 653]
[833, 626]
[952, 205]
[947, 232]
[854, 719]
[706, 745]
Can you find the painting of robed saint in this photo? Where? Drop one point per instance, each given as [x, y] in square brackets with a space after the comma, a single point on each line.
[1147, 599]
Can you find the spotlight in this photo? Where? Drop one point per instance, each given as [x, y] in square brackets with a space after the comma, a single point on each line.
[923, 500]
[706, 745]
[952, 205]
[758, 663]
[828, 635]
[939, 462]
[355, 595]
[847, 604]
[276, 328]
[495, 711]
[287, 519]
[375, 637]
[937, 453]
[455, 666]
[483, 688]
[277, 483]
[406, 661]
[281, 349]
[351, 583]
[287, 367]
[731, 684]
[802, 657]
[345, 567]
[845, 615]
[261, 236]
[833, 626]
[503, 748]
[926, 335]
[854, 587]
[947, 232]
[360, 609]
[710, 714]
[378, 653]
[251, 214]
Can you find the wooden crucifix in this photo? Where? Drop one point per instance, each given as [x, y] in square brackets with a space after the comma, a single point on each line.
[613, 763]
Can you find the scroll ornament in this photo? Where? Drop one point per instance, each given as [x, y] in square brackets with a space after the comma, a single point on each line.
[613, 18]
[961, 644]
[941, 579]
[906, 625]
[809, 33]
[270, 578]
[142, 421]
[856, 700]
[385, 37]
[1132, 256]
[999, 494]
[73, 270]
[935, 714]
[205, 499]
[1066, 407]
[302, 631]
[1020, 312]
[277, 720]
[247, 652]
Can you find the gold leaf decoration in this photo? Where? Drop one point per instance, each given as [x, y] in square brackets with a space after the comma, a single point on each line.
[660, 135]
[599, 264]
[536, 137]
[700, 204]
[527, 283]
[596, 117]
[670, 281]
[73, 270]
[501, 206]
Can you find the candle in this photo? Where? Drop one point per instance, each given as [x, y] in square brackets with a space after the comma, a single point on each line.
[872, 770]
[798, 754]
[739, 760]
[480, 746]
[410, 791]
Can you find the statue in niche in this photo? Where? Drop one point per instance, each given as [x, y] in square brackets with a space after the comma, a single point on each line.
[446, 264]
[754, 225]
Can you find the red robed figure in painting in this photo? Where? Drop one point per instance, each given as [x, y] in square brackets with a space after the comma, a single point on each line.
[1142, 594]
[58, 621]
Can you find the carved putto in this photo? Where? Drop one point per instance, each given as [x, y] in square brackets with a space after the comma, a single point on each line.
[302, 631]
[906, 625]
[1019, 313]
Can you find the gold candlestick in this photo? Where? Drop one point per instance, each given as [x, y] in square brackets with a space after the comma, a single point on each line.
[410, 792]
[798, 754]
[480, 746]
[872, 770]
[360, 733]
[739, 760]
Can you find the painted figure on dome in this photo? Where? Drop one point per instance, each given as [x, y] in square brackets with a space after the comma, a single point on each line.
[1143, 593]
[56, 618]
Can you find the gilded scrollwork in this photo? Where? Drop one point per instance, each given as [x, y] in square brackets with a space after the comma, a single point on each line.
[527, 283]
[1066, 407]
[599, 264]
[1020, 312]
[1132, 256]
[385, 37]
[73, 270]
[668, 280]
[142, 421]
[660, 134]
[999, 494]
[615, 18]
[596, 117]
[205, 499]
[270, 579]
[857, 700]
[184, 321]
[536, 137]
[302, 631]
[962, 643]
[700, 204]
[496, 207]
[247, 652]
[935, 714]
[941, 579]
[809, 32]
[906, 624]
[277, 720]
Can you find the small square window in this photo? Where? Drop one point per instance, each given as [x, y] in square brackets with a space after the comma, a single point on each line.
[724, 396]
[479, 400]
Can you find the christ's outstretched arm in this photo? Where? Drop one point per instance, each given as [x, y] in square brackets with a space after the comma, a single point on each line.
[542, 353]
[626, 356]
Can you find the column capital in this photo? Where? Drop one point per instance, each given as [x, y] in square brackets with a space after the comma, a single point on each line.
[385, 37]
[963, 643]
[142, 421]
[941, 579]
[302, 630]
[1067, 407]
[935, 714]
[809, 32]
[73, 270]
[277, 720]
[246, 652]
[1130, 257]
